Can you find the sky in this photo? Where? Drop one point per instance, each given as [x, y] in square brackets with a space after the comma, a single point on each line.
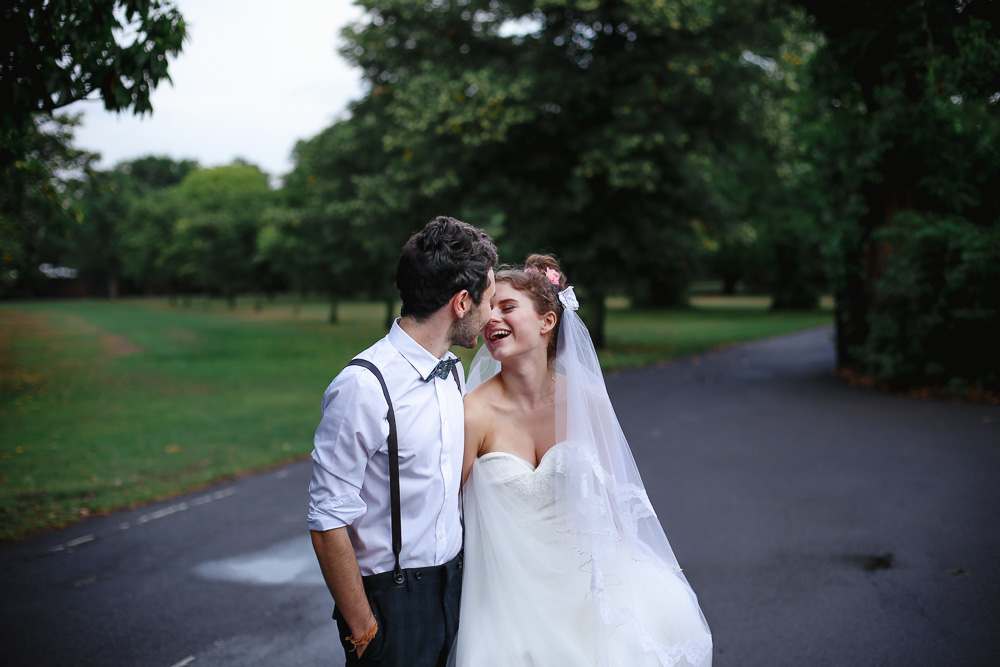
[254, 77]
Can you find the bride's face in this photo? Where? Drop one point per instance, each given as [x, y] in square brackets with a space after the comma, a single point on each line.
[515, 326]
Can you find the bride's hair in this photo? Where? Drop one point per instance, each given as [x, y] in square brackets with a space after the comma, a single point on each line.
[534, 280]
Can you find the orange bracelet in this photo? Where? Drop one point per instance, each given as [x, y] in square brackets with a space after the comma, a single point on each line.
[365, 640]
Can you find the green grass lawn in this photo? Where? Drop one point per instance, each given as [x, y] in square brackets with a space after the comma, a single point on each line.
[108, 405]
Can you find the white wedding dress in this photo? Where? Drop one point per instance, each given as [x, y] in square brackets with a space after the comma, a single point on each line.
[566, 564]
[527, 595]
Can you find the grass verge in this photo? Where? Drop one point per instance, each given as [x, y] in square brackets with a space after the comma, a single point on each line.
[109, 405]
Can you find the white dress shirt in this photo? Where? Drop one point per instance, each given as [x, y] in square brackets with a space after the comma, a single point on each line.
[350, 481]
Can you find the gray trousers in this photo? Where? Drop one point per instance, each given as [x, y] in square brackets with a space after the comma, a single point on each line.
[417, 619]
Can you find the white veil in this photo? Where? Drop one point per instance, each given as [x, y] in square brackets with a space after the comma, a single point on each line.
[603, 506]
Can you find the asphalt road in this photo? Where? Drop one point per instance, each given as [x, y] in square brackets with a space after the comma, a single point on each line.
[820, 524]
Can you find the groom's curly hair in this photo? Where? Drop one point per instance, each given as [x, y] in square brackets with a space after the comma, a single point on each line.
[444, 258]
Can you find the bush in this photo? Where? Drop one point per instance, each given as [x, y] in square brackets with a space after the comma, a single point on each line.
[935, 319]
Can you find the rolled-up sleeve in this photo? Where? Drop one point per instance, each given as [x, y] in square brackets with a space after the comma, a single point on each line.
[353, 427]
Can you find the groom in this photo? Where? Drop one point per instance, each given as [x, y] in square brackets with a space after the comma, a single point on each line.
[393, 563]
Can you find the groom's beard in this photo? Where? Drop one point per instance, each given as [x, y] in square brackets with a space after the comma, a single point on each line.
[465, 332]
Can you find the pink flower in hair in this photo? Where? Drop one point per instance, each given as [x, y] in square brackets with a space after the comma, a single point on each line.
[550, 274]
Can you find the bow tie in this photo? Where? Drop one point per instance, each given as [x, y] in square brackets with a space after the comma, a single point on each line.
[442, 370]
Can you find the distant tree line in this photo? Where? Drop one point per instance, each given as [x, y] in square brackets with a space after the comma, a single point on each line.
[789, 147]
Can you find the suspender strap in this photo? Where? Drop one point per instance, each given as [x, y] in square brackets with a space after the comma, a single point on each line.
[397, 536]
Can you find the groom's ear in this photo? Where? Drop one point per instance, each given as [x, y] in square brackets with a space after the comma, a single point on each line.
[460, 304]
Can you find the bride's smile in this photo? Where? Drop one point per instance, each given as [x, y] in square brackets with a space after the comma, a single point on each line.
[514, 325]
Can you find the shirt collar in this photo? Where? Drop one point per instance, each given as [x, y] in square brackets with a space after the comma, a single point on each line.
[422, 361]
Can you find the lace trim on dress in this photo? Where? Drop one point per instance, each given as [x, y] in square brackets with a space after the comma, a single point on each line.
[622, 491]
[693, 652]
[586, 467]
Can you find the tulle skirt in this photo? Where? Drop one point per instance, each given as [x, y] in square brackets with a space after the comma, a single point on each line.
[530, 598]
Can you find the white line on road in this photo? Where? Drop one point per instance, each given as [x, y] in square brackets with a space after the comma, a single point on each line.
[74, 543]
[180, 507]
[152, 516]
[186, 661]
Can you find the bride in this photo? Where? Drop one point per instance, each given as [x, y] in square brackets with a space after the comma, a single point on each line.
[565, 561]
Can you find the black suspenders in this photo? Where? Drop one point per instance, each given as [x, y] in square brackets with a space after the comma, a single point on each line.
[397, 536]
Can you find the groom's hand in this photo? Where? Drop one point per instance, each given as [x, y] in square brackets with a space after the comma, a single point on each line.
[335, 554]
[362, 633]
[362, 649]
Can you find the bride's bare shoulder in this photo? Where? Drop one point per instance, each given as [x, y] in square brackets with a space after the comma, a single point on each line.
[479, 400]
[479, 426]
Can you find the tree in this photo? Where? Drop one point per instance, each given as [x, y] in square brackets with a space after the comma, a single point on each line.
[155, 172]
[905, 122]
[57, 52]
[359, 202]
[35, 216]
[766, 233]
[221, 211]
[572, 134]
[112, 221]
[103, 205]
[150, 256]
[282, 248]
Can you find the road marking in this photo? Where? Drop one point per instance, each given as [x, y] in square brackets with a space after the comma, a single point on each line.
[180, 507]
[186, 661]
[152, 516]
[74, 543]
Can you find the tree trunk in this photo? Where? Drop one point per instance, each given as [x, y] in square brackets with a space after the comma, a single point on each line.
[297, 303]
[596, 314]
[258, 301]
[868, 254]
[113, 288]
[729, 285]
[791, 288]
[390, 311]
[334, 316]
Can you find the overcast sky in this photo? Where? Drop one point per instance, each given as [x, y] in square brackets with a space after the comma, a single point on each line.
[255, 77]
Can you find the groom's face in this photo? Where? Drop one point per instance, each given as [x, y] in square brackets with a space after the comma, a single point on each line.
[465, 332]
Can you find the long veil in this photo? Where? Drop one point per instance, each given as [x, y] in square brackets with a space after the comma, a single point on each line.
[603, 506]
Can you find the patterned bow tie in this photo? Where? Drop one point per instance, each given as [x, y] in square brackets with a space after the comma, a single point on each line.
[442, 369]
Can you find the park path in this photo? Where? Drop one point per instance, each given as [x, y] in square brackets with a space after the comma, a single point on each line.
[820, 524]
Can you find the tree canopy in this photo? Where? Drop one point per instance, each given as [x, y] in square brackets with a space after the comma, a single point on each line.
[566, 126]
[789, 146]
[57, 52]
[903, 130]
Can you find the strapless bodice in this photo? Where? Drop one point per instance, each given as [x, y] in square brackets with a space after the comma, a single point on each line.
[527, 485]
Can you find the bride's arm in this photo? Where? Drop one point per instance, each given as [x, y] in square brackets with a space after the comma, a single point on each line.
[476, 428]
